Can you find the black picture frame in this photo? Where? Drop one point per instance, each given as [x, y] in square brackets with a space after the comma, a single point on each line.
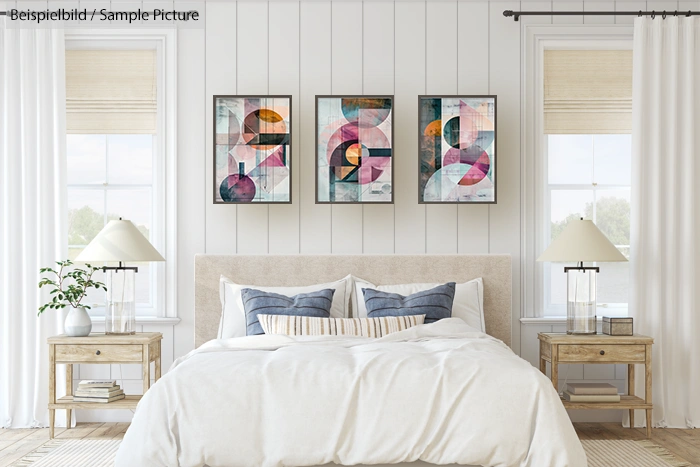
[353, 96]
[290, 163]
[495, 152]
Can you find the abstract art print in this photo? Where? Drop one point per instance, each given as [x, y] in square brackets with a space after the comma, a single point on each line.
[457, 149]
[252, 149]
[354, 149]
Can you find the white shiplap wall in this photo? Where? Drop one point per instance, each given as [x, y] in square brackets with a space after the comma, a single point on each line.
[405, 48]
[402, 47]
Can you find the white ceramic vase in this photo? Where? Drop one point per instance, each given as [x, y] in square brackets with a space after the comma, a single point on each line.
[78, 322]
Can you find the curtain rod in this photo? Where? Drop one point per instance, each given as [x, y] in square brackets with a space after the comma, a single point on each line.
[517, 14]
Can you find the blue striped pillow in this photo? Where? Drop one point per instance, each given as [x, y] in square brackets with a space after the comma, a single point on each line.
[256, 302]
[435, 303]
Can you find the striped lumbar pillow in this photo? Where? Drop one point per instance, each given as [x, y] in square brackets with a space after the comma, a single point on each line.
[360, 327]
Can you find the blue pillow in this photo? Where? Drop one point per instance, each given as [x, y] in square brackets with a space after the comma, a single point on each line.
[434, 303]
[257, 302]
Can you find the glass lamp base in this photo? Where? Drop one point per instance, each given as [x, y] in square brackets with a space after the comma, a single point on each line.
[581, 300]
[120, 316]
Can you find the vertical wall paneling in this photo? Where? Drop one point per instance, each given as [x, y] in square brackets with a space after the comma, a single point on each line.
[409, 43]
[346, 78]
[220, 75]
[441, 66]
[378, 78]
[692, 5]
[251, 63]
[628, 6]
[315, 62]
[565, 5]
[660, 5]
[283, 59]
[193, 175]
[473, 78]
[599, 5]
[541, 5]
[504, 218]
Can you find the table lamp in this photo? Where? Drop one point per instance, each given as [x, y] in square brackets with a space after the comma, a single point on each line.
[120, 241]
[581, 241]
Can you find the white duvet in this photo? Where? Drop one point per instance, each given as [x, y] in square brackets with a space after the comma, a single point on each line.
[442, 393]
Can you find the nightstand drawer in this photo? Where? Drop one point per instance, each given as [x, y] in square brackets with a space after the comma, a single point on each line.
[601, 353]
[95, 353]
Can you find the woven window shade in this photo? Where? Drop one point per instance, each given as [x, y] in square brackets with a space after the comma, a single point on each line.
[111, 91]
[587, 91]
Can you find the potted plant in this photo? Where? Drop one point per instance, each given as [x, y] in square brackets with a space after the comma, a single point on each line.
[69, 289]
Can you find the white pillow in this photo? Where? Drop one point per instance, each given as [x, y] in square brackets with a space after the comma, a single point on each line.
[468, 302]
[233, 323]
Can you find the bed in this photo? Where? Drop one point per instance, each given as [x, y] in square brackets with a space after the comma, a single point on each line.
[437, 394]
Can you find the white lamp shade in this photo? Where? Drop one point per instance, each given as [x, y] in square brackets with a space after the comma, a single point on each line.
[119, 241]
[581, 240]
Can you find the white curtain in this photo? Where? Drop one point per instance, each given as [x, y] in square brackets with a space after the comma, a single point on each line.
[665, 298]
[32, 216]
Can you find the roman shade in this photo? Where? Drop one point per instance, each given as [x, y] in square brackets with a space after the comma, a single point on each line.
[587, 91]
[111, 91]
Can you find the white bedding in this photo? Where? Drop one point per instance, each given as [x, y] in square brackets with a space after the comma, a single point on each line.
[441, 393]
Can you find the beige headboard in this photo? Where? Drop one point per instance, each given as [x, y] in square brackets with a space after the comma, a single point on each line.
[293, 270]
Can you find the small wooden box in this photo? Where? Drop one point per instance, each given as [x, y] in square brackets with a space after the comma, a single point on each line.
[618, 326]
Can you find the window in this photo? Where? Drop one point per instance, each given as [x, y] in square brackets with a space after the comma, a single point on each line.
[111, 176]
[121, 150]
[589, 176]
[585, 158]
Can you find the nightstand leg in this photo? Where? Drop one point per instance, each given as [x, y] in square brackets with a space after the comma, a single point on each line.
[52, 386]
[146, 363]
[69, 392]
[647, 386]
[543, 366]
[157, 368]
[630, 389]
[555, 367]
[52, 419]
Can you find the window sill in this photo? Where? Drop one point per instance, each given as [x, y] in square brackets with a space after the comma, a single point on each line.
[550, 320]
[140, 320]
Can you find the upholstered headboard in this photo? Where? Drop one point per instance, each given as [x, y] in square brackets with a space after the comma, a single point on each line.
[295, 270]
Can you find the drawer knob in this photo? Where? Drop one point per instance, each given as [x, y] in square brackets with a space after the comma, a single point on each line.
[602, 352]
[98, 352]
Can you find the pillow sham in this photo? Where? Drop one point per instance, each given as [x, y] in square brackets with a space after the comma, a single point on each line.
[233, 322]
[257, 302]
[468, 303]
[435, 303]
[360, 327]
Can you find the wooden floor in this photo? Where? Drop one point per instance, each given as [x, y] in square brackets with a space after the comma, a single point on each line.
[14, 444]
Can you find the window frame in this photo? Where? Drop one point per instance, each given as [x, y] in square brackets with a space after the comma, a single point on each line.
[534, 175]
[164, 184]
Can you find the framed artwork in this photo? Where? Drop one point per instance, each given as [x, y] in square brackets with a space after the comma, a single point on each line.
[354, 149]
[252, 149]
[457, 149]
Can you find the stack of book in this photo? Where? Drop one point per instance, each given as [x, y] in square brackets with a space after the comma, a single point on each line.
[591, 392]
[92, 390]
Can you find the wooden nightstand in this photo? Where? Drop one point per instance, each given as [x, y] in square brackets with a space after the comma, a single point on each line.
[141, 348]
[557, 348]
